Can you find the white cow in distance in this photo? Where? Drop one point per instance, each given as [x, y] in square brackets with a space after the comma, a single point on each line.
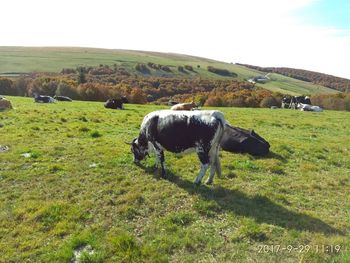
[308, 107]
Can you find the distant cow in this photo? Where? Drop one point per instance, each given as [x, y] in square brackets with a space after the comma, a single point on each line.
[44, 99]
[184, 106]
[5, 104]
[179, 132]
[115, 103]
[308, 107]
[62, 98]
[292, 102]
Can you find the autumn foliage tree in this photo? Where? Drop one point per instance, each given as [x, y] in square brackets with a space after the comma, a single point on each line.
[138, 96]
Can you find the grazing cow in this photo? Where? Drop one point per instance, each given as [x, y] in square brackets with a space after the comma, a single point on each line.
[308, 107]
[44, 99]
[184, 106]
[180, 132]
[286, 102]
[62, 98]
[299, 99]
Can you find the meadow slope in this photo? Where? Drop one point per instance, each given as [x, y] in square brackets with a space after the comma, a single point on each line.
[53, 59]
[79, 187]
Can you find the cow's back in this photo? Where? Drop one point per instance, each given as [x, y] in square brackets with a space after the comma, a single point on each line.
[182, 130]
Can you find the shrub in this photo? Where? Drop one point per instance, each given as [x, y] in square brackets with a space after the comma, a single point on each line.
[6, 87]
[65, 89]
[181, 69]
[189, 68]
[165, 68]
[268, 102]
[138, 96]
[221, 72]
[142, 68]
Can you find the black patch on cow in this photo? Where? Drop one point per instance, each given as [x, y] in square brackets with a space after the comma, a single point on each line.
[62, 98]
[179, 133]
[238, 140]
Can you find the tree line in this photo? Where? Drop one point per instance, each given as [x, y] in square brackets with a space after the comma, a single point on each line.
[325, 80]
[104, 82]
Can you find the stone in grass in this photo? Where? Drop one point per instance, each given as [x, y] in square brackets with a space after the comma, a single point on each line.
[78, 253]
[4, 148]
[93, 165]
[26, 155]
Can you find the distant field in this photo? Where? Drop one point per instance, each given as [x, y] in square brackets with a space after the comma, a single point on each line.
[79, 187]
[25, 59]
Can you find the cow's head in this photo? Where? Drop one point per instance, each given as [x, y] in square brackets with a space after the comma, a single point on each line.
[139, 147]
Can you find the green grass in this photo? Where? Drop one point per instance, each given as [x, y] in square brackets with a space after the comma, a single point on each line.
[54, 202]
[53, 59]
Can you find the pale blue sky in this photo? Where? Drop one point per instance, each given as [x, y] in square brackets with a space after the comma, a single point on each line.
[306, 34]
[334, 13]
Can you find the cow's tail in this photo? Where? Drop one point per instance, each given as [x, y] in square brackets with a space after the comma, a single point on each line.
[218, 137]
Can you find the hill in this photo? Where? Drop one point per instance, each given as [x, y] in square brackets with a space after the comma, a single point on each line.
[54, 59]
[317, 78]
[68, 182]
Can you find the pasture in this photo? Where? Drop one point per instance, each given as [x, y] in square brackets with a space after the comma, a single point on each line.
[68, 182]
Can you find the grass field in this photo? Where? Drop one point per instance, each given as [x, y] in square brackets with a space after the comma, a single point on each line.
[44, 59]
[78, 187]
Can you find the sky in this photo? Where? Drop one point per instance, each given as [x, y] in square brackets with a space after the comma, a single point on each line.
[306, 34]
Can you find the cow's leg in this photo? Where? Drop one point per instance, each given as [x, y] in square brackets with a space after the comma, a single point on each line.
[204, 159]
[214, 164]
[160, 160]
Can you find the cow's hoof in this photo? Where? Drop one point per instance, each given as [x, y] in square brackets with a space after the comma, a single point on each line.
[209, 182]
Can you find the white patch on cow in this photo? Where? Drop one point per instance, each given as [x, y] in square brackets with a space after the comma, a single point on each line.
[205, 116]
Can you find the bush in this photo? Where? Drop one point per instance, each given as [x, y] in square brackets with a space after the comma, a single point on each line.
[181, 69]
[269, 102]
[64, 89]
[339, 101]
[6, 87]
[189, 68]
[142, 68]
[221, 72]
[138, 96]
[166, 69]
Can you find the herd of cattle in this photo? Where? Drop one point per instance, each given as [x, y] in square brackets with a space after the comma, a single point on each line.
[302, 103]
[185, 128]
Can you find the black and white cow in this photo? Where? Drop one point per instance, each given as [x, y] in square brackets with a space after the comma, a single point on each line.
[116, 103]
[44, 99]
[292, 102]
[180, 132]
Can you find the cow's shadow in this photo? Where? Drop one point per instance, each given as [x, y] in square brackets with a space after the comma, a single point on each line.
[261, 208]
